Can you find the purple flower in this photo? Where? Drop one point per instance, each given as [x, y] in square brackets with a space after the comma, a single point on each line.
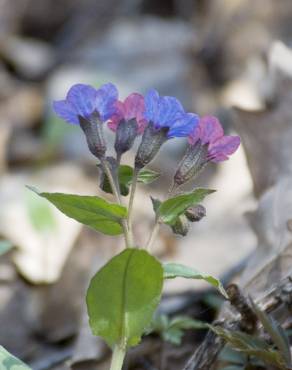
[82, 100]
[210, 133]
[89, 107]
[206, 143]
[133, 107]
[166, 119]
[167, 112]
[128, 122]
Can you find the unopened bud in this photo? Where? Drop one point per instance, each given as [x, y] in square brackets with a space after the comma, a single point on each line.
[192, 163]
[195, 213]
[181, 226]
[93, 130]
[152, 140]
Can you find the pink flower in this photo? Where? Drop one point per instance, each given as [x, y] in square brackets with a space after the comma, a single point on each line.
[131, 109]
[210, 132]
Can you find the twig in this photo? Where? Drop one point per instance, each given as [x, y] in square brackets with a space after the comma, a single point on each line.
[207, 353]
[249, 319]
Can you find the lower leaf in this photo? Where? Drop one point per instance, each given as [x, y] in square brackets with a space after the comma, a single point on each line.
[173, 270]
[123, 296]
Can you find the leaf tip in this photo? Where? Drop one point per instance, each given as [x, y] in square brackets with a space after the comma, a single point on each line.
[33, 189]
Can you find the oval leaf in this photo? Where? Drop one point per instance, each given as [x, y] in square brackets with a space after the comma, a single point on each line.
[173, 270]
[89, 210]
[10, 362]
[172, 208]
[123, 296]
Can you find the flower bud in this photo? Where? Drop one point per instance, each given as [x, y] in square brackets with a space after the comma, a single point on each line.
[181, 226]
[152, 140]
[192, 163]
[195, 213]
[93, 130]
[126, 133]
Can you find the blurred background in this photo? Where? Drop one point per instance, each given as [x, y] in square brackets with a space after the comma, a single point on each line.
[212, 55]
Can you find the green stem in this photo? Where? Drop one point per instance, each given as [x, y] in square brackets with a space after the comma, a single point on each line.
[118, 356]
[153, 235]
[132, 197]
[128, 240]
[156, 226]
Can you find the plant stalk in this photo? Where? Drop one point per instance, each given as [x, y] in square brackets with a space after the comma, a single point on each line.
[153, 235]
[156, 226]
[131, 200]
[128, 240]
[118, 356]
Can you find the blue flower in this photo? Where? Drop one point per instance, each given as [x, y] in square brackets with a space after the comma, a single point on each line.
[167, 112]
[166, 119]
[83, 100]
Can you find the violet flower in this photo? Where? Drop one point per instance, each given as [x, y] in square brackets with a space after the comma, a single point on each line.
[166, 119]
[207, 142]
[128, 122]
[89, 107]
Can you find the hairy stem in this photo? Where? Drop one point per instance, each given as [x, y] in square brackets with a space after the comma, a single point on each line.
[156, 226]
[128, 240]
[132, 197]
[118, 357]
[153, 235]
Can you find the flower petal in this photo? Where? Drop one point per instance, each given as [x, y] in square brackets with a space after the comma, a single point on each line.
[151, 105]
[105, 101]
[169, 110]
[82, 98]
[65, 111]
[116, 118]
[195, 134]
[184, 125]
[211, 129]
[135, 108]
[223, 147]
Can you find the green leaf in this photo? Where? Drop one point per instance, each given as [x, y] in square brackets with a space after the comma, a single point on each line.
[145, 176]
[123, 296]
[172, 208]
[172, 330]
[186, 322]
[5, 246]
[173, 336]
[174, 270]
[10, 362]
[276, 333]
[251, 346]
[155, 204]
[89, 210]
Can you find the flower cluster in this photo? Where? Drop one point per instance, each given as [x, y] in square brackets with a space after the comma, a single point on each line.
[156, 118]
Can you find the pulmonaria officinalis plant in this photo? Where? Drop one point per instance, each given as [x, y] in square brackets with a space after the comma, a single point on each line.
[124, 294]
